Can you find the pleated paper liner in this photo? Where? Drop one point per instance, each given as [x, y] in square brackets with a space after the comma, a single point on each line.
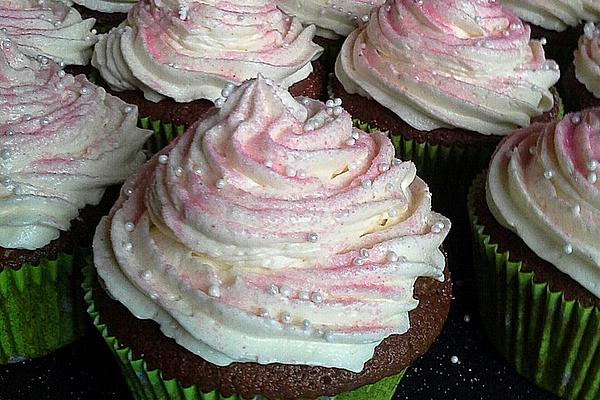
[552, 341]
[146, 384]
[164, 133]
[40, 307]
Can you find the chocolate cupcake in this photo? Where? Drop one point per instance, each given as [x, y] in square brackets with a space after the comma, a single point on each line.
[48, 29]
[582, 79]
[63, 141]
[557, 23]
[537, 254]
[188, 53]
[447, 79]
[278, 247]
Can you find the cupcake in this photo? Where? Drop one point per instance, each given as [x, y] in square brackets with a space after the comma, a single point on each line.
[447, 79]
[558, 22]
[173, 60]
[537, 254]
[334, 20]
[48, 29]
[582, 79]
[287, 255]
[63, 141]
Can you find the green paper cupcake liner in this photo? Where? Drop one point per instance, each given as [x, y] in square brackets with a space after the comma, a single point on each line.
[146, 384]
[164, 133]
[552, 341]
[40, 307]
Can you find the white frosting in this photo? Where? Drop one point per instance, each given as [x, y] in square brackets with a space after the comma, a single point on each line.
[587, 59]
[265, 215]
[449, 63]
[332, 18]
[555, 15]
[190, 50]
[543, 185]
[107, 6]
[62, 142]
[48, 28]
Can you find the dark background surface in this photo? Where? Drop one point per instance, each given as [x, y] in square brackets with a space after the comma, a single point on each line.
[461, 365]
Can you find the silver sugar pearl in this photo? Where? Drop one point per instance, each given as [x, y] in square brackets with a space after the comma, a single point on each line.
[306, 324]
[214, 291]
[286, 317]
[437, 227]
[391, 256]
[304, 295]
[316, 297]
[285, 291]
[262, 312]
[273, 289]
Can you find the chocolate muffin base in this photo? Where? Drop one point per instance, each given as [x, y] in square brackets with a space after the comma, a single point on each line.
[577, 97]
[80, 235]
[508, 241]
[278, 381]
[168, 110]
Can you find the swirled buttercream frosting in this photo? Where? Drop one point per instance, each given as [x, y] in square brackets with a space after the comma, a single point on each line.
[556, 15]
[189, 50]
[587, 59]
[449, 63]
[62, 142]
[48, 28]
[332, 18]
[273, 231]
[543, 185]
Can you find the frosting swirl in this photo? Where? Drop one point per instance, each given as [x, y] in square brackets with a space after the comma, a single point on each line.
[273, 231]
[62, 142]
[332, 18]
[556, 15]
[543, 185]
[449, 63]
[190, 51]
[587, 59]
[48, 28]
